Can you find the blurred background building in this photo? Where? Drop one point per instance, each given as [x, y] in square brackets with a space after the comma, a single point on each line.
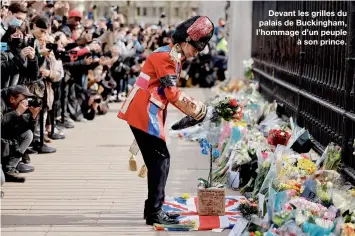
[149, 12]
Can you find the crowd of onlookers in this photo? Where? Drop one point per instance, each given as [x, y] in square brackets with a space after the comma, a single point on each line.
[59, 67]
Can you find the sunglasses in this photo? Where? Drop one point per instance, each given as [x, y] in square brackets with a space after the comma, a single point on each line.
[6, 7]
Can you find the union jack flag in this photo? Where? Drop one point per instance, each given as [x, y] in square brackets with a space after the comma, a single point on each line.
[190, 220]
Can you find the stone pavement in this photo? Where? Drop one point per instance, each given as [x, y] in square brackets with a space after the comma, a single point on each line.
[86, 189]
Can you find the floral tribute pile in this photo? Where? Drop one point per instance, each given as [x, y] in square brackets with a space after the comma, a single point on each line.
[290, 190]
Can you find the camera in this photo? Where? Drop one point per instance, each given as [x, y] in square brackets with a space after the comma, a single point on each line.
[51, 46]
[34, 102]
[63, 56]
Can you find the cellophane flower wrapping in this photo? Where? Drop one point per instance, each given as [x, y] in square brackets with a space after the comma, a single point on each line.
[332, 157]
[271, 121]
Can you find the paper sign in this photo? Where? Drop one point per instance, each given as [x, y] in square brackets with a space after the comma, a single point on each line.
[310, 190]
[239, 227]
[211, 202]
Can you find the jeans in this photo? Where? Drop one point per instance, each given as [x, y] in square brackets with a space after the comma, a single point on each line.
[157, 159]
[24, 141]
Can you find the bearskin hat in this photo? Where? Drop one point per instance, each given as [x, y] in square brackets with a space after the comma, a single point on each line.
[197, 31]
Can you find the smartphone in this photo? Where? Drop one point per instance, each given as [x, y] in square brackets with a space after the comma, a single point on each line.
[3, 46]
[31, 42]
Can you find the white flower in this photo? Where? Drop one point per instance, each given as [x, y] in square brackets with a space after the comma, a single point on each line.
[329, 184]
[248, 63]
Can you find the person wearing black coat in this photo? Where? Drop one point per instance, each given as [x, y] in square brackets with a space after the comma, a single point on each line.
[18, 120]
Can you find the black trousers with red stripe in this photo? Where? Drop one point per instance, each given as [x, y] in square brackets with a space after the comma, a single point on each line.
[157, 159]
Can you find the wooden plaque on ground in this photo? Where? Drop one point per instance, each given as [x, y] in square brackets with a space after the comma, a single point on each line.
[211, 202]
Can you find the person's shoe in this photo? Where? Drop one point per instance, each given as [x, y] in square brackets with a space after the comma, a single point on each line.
[31, 151]
[44, 149]
[171, 215]
[81, 119]
[13, 176]
[160, 218]
[24, 168]
[66, 125]
[56, 136]
[26, 158]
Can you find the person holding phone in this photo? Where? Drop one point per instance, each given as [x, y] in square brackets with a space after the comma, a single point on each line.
[16, 15]
[18, 62]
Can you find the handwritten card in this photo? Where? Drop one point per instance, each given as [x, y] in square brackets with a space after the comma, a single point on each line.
[239, 227]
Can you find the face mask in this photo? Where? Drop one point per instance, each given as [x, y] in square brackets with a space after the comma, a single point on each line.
[16, 22]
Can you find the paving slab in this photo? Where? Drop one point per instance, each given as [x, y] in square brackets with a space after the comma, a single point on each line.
[85, 188]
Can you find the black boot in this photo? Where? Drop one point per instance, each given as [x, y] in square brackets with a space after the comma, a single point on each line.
[13, 176]
[160, 218]
[171, 215]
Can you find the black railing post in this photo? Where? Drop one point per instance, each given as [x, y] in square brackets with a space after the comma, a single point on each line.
[349, 77]
[301, 67]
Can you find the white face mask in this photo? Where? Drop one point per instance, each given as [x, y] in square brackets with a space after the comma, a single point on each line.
[15, 22]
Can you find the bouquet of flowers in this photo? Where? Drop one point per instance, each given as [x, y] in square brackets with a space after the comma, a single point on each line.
[229, 109]
[332, 158]
[248, 65]
[247, 208]
[278, 136]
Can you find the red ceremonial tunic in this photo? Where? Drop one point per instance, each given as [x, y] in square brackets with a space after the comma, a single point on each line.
[146, 104]
[156, 86]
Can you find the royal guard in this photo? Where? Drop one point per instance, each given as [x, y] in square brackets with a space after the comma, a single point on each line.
[145, 108]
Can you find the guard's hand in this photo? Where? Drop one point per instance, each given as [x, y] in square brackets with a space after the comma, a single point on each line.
[22, 107]
[188, 121]
[35, 111]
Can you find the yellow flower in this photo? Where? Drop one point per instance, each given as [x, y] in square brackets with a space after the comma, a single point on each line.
[240, 123]
[186, 196]
[306, 165]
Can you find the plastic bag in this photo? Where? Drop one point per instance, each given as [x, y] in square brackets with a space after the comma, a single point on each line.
[315, 230]
[300, 139]
[271, 121]
[233, 179]
[292, 229]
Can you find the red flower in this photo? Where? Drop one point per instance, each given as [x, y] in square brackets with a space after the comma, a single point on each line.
[233, 103]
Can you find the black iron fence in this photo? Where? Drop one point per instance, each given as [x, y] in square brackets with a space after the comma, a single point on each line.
[316, 84]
